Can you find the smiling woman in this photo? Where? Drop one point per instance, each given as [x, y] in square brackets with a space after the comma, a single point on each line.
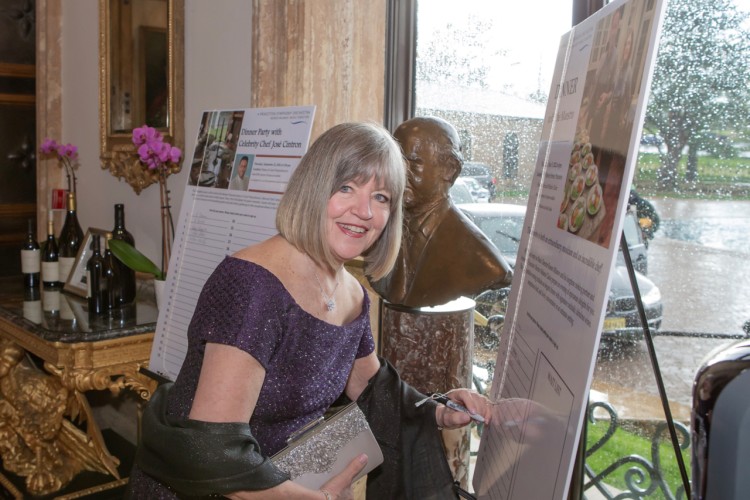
[260, 363]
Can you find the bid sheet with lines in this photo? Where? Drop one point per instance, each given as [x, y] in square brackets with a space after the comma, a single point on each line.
[242, 162]
[533, 396]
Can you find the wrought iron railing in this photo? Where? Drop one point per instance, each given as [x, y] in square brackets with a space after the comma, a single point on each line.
[643, 478]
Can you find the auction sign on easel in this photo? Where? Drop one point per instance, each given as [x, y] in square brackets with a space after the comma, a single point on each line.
[585, 164]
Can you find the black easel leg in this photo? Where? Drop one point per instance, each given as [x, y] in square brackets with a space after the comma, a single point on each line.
[655, 364]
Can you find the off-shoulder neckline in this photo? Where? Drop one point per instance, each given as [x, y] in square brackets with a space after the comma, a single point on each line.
[294, 301]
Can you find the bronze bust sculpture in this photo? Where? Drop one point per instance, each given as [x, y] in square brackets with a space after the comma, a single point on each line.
[443, 254]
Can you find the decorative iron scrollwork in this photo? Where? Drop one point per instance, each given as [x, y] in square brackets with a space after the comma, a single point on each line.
[642, 477]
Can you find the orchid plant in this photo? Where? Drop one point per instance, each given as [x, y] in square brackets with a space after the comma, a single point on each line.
[159, 156]
[153, 152]
[134, 259]
[67, 157]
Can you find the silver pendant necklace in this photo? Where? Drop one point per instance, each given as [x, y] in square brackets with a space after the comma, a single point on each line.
[329, 300]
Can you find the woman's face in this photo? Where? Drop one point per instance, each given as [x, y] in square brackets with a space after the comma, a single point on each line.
[357, 215]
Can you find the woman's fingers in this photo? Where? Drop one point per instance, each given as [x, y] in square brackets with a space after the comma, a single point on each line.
[478, 406]
[343, 480]
[476, 403]
[451, 419]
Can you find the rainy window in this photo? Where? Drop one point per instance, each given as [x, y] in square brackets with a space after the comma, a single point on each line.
[473, 71]
[486, 68]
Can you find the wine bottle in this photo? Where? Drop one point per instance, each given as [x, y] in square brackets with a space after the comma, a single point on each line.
[32, 305]
[127, 275]
[70, 239]
[30, 258]
[50, 263]
[95, 280]
[112, 278]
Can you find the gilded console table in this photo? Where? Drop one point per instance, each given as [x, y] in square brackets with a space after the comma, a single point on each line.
[51, 354]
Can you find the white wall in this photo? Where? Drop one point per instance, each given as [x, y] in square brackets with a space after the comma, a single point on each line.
[217, 75]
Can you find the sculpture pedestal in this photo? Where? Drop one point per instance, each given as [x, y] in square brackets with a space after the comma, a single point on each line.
[432, 348]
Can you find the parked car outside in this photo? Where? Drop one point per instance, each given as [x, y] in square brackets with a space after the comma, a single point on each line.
[459, 193]
[502, 223]
[478, 193]
[636, 243]
[651, 140]
[482, 173]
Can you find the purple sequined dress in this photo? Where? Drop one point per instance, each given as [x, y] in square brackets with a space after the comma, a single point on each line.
[307, 360]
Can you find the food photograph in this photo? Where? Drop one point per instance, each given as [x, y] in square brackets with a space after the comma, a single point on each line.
[582, 208]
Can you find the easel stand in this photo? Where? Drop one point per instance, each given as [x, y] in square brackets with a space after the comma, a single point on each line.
[657, 376]
[655, 364]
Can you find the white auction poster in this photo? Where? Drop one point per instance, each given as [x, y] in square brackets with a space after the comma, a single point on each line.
[571, 235]
[240, 168]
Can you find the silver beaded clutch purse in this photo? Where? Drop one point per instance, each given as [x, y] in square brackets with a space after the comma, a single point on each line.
[322, 449]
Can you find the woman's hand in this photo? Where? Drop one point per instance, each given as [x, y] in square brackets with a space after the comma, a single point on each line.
[339, 486]
[471, 400]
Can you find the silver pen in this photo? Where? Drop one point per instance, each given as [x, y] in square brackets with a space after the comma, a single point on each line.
[442, 398]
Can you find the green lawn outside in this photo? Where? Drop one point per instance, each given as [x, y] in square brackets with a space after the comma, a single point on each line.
[718, 178]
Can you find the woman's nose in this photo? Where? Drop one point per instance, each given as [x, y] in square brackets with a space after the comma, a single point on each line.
[363, 208]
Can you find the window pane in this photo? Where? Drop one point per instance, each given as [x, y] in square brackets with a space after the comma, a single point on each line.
[486, 69]
[486, 73]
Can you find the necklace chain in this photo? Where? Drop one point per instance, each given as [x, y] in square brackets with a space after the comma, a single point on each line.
[330, 300]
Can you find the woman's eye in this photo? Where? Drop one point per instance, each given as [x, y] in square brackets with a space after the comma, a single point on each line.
[345, 189]
[382, 198]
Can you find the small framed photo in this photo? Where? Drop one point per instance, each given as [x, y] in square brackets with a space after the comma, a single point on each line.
[77, 283]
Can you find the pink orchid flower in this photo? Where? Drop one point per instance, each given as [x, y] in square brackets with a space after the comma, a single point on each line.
[153, 152]
[67, 150]
[49, 146]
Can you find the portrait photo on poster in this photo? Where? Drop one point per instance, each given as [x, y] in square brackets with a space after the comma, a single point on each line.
[243, 165]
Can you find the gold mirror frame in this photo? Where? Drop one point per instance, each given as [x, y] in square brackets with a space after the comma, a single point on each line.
[118, 153]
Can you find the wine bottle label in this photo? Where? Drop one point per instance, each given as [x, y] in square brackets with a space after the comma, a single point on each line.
[32, 310]
[50, 272]
[51, 300]
[66, 264]
[30, 261]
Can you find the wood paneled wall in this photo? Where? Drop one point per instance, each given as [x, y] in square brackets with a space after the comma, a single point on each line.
[49, 103]
[327, 53]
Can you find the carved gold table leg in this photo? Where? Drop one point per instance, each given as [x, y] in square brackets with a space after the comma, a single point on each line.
[40, 415]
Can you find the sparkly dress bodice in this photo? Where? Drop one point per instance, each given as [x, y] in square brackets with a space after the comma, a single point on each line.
[307, 360]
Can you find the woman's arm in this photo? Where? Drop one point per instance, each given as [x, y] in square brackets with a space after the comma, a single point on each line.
[366, 368]
[228, 386]
[362, 371]
[228, 389]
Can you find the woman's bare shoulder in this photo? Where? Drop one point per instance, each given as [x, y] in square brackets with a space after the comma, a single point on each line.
[264, 252]
[272, 254]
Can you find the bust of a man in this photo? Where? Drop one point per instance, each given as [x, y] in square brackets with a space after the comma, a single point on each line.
[443, 254]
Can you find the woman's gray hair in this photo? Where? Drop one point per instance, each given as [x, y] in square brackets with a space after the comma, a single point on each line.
[344, 153]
